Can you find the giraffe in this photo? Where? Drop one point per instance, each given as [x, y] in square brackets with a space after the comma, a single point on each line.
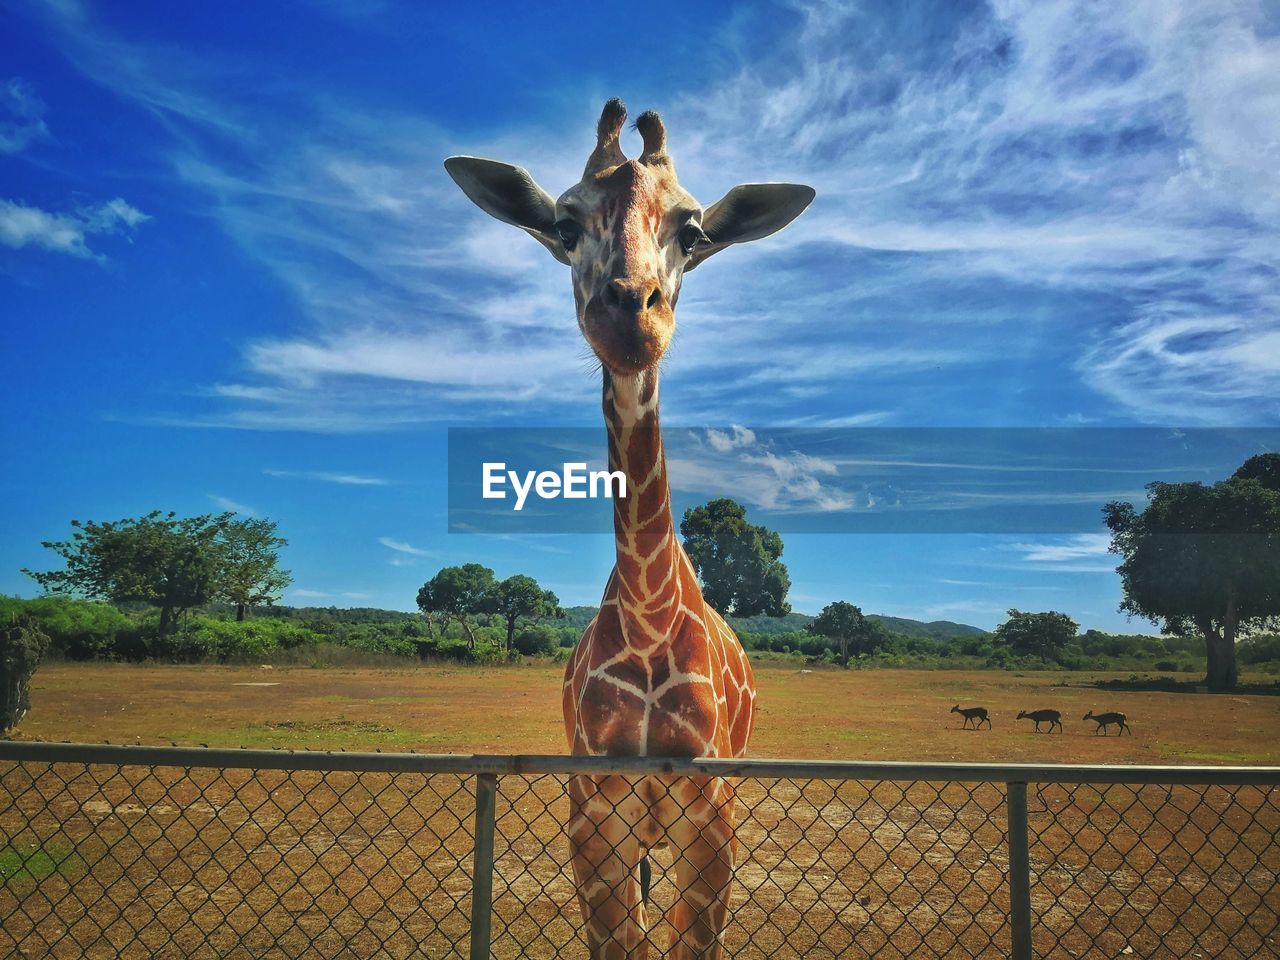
[658, 672]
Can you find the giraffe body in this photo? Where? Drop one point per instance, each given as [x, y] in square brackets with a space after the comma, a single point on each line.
[658, 672]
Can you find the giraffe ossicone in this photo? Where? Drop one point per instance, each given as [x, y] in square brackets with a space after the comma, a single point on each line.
[658, 672]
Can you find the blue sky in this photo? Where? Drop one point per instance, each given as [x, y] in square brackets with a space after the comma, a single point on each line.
[233, 273]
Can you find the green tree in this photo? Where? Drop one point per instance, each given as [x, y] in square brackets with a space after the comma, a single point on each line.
[520, 596]
[459, 593]
[164, 560]
[1203, 558]
[22, 646]
[736, 561]
[250, 574]
[1043, 635]
[1264, 467]
[845, 625]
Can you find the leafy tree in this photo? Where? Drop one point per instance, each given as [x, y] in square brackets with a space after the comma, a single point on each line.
[1044, 635]
[22, 646]
[845, 624]
[167, 561]
[1264, 467]
[250, 574]
[736, 561]
[520, 596]
[1203, 558]
[459, 593]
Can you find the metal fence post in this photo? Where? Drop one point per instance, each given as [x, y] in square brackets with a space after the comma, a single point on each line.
[1019, 871]
[482, 872]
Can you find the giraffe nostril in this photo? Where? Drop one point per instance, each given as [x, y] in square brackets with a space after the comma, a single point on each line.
[653, 299]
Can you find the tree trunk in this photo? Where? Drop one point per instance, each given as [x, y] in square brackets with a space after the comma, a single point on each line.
[166, 620]
[844, 652]
[511, 634]
[1220, 647]
[471, 636]
[240, 613]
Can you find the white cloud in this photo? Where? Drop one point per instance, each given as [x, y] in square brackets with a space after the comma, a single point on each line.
[1127, 150]
[316, 594]
[723, 441]
[22, 226]
[225, 503]
[1082, 553]
[21, 116]
[343, 479]
[399, 546]
[751, 469]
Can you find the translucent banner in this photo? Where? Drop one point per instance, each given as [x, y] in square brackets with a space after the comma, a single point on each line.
[842, 480]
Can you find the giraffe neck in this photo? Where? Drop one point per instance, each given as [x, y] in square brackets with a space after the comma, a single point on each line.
[646, 581]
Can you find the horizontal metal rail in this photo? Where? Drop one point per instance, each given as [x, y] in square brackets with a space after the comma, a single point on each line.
[533, 764]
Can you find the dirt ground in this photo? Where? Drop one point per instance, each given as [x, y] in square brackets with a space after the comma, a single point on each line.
[177, 862]
[827, 714]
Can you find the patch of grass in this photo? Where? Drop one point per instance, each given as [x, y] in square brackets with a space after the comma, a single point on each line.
[36, 862]
[1199, 755]
[860, 736]
[334, 734]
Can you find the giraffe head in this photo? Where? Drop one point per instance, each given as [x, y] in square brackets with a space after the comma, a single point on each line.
[628, 231]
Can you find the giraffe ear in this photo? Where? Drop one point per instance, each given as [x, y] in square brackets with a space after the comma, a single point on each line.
[748, 212]
[509, 194]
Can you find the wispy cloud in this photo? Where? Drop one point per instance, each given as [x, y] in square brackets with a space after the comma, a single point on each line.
[307, 594]
[21, 116]
[325, 476]
[1088, 192]
[399, 546]
[22, 225]
[738, 460]
[1082, 553]
[226, 503]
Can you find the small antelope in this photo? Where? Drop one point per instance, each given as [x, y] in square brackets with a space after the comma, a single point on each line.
[1104, 720]
[1051, 717]
[974, 715]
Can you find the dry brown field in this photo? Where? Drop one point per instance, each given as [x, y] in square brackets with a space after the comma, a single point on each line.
[198, 862]
[822, 714]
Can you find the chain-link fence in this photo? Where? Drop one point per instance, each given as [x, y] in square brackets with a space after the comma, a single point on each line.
[140, 851]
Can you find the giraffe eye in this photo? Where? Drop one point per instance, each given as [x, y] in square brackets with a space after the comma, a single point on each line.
[569, 232]
[691, 236]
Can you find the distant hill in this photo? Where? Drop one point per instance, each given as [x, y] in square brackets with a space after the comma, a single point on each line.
[934, 629]
[770, 625]
[576, 617]
[579, 617]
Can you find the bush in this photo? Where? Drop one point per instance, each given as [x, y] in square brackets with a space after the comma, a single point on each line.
[1261, 649]
[77, 629]
[22, 646]
[537, 641]
[207, 638]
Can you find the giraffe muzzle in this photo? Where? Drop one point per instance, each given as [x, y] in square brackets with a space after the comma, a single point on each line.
[629, 325]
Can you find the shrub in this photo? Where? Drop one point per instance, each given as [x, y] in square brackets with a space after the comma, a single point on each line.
[78, 629]
[207, 638]
[537, 641]
[22, 646]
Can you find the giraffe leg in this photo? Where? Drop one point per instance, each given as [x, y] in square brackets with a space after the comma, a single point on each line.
[703, 848]
[605, 851]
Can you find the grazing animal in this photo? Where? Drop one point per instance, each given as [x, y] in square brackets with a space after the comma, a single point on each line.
[1104, 720]
[658, 672]
[976, 715]
[1050, 717]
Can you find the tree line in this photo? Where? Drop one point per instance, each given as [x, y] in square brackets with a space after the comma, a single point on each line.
[1198, 559]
